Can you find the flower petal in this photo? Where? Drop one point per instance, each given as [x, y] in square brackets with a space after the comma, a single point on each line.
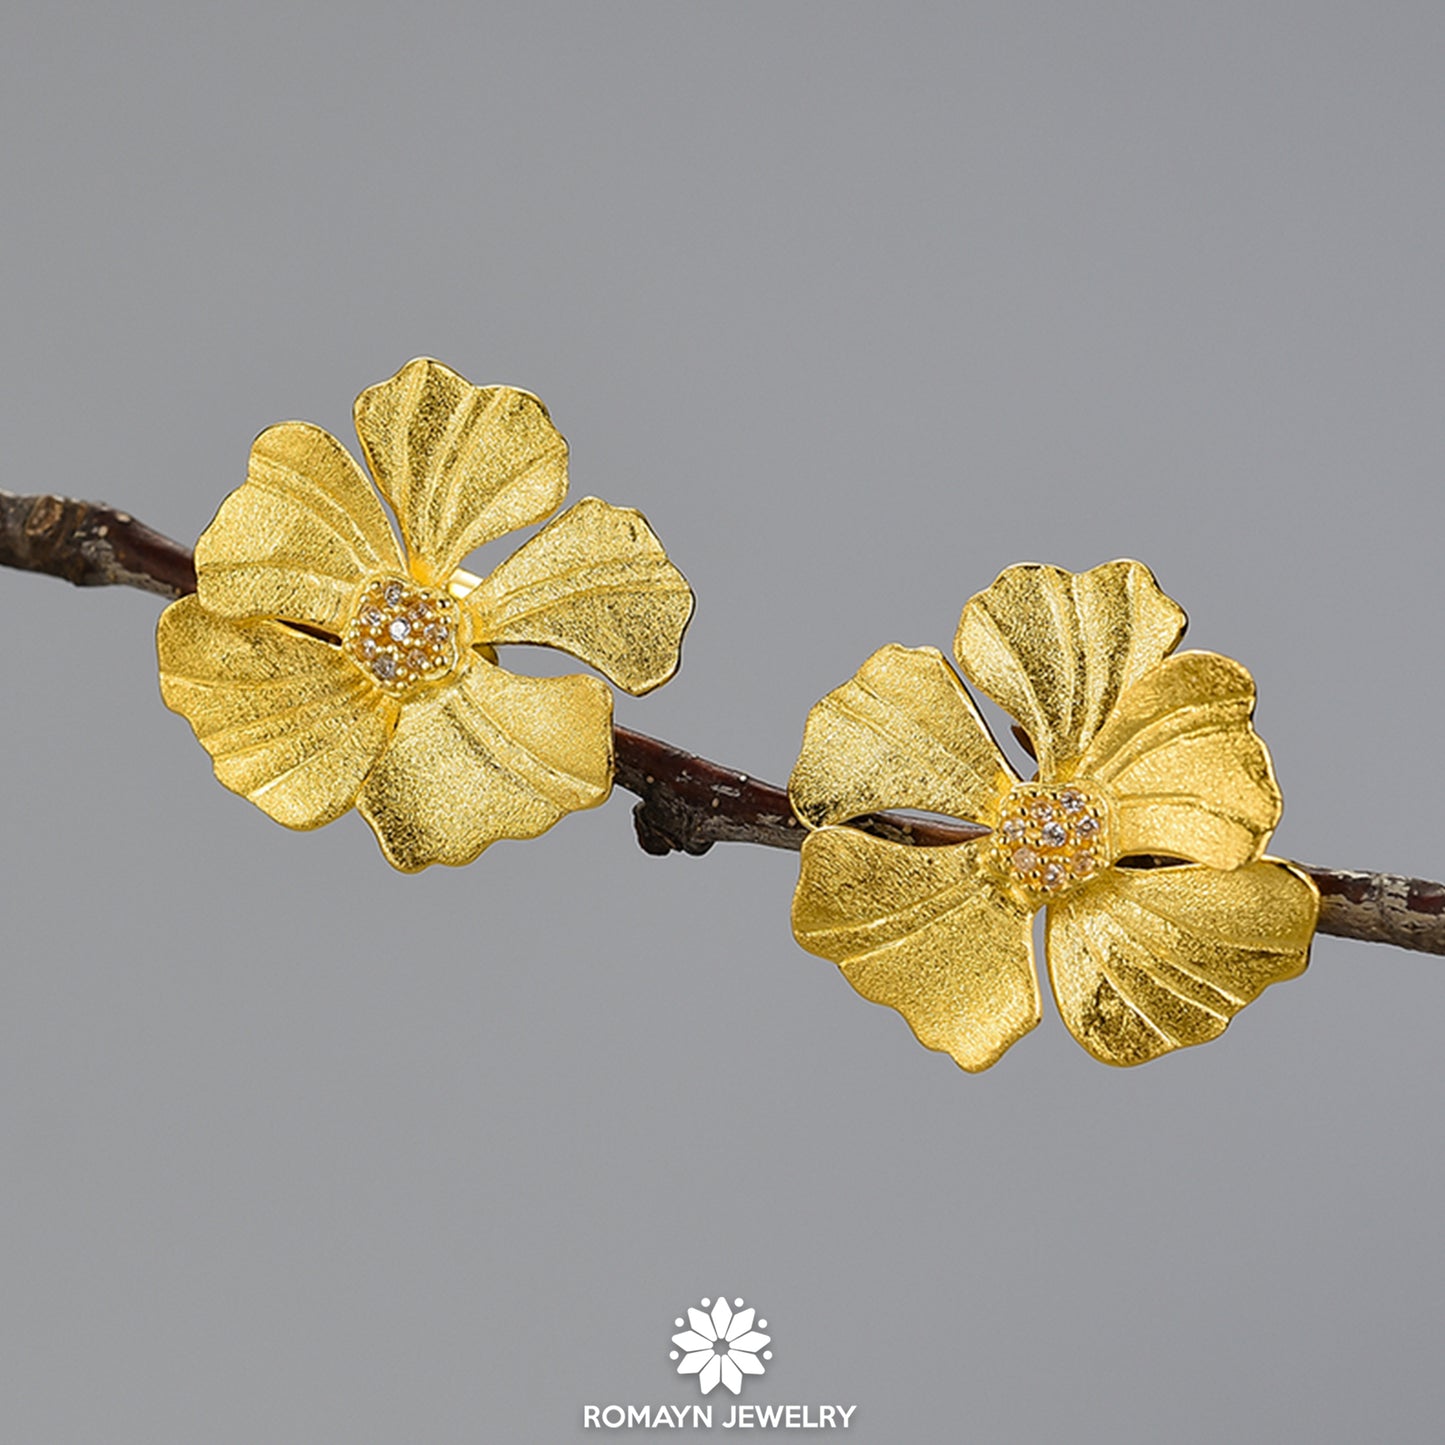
[710, 1375]
[298, 535]
[1190, 776]
[491, 756]
[749, 1364]
[290, 722]
[594, 582]
[460, 464]
[691, 1364]
[722, 1317]
[1146, 961]
[902, 733]
[742, 1322]
[1056, 649]
[732, 1377]
[925, 931]
[702, 1323]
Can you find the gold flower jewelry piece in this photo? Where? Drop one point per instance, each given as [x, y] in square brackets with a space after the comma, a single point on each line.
[1141, 755]
[321, 667]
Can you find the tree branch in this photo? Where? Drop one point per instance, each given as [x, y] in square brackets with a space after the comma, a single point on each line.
[687, 803]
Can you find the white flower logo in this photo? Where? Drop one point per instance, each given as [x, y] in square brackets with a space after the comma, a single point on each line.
[721, 1347]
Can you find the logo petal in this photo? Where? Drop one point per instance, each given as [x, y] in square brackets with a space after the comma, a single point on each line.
[691, 1340]
[750, 1343]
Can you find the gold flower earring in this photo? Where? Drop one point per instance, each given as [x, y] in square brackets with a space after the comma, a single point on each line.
[324, 667]
[1144, 758]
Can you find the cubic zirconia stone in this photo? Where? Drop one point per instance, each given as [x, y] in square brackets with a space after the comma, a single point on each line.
[1048, 840]
[393, 633]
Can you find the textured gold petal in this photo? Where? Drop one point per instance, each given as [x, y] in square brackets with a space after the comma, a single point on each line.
[298, 535]
[1056, 649]
[594, 582]
[902, 733]
[492, 756]
[1190, 777]
[460, 464]
[1143, 962]
[289, 721]
[925, 931]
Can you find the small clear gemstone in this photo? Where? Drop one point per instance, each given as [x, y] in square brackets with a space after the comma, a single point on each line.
[1048, 840]
[397, 634]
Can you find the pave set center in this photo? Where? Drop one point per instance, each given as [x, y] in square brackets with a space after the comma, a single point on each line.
[403, 635]
[1050, 837]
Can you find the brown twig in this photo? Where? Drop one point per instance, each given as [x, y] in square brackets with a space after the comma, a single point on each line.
[91, 545]
[687, 803]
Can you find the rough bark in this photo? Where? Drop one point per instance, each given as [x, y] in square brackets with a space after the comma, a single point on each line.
[90, 545]
[686, 803]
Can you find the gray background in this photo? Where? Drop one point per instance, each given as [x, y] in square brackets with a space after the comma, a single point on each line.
[859, 304]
